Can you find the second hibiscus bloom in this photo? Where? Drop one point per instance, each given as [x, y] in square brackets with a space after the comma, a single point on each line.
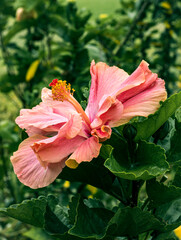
[62, 133]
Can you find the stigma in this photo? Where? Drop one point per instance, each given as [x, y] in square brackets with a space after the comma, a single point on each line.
[61, 90]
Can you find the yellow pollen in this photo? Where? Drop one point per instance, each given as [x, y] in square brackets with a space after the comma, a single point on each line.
[61, 90]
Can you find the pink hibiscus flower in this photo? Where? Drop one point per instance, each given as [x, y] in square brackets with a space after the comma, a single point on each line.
[62, 133]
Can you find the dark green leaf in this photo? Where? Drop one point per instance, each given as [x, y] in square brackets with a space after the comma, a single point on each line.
[131, 222]
[174, 154]
[166, 200]
[177, 179]
[170, 213]
[90, 222]
[73, 208]
[166, 236]
[159, 193]
[56, 217]
[29, 211]
[150, 161]
[93, 173]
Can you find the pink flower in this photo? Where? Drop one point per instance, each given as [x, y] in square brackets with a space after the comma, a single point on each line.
[62, 133]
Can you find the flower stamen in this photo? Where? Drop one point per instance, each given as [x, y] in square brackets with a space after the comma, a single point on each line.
[61, 90]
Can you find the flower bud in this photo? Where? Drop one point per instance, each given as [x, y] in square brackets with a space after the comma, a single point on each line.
[129, 132]
[22, 14]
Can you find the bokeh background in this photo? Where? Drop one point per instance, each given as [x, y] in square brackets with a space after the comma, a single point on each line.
[45, 39]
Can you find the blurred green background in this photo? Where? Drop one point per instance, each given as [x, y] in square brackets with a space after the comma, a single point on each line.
[43, 40]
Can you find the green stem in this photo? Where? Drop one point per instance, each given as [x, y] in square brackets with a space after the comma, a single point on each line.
[133, 238]
[132, 28]
[145, 203]
[135, 191]
[10, 187]
[48, 41]
[147, 234]
[5, 55]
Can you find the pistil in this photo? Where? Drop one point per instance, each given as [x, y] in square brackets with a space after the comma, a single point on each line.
[61, 91]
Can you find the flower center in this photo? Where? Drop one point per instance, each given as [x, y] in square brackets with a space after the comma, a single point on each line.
[61, 90]
[103, 133]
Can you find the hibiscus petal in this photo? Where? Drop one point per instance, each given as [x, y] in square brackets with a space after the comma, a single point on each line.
[29, 170]
[46, 95]
[110, 110]
[137, 82]
[47, 117]
[102, 133]
[105, 81]
[40, 117]
[144, 103]
[107, 84]
[88, 150]
[56, 148]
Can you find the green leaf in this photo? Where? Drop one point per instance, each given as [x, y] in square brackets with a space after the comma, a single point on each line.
[174, 153]
[166, 201]
[37, 234]
[150, 125]
[166, 236]
[170, 213]
[166, 141]
[159, 193]
[56, 217]
[149, 161]
[131, 222]
[177, 178]
[86, 173]
[29, 211]
[90, 222]
[28, 5]
[73, 208]
[93, 203]
[95, 52]
[15, 29]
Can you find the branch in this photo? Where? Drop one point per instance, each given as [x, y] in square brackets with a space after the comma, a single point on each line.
[131, 30]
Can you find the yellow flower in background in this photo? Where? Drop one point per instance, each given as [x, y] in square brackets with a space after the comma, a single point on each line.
[90, 196]
[171, 32]
[177, 232]
[166, 5]
[66, 184]
[103, 15]
[117, 42]
[32, 70]
[92, 189]
[167, 25]
[178, 84]
[71, 1]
